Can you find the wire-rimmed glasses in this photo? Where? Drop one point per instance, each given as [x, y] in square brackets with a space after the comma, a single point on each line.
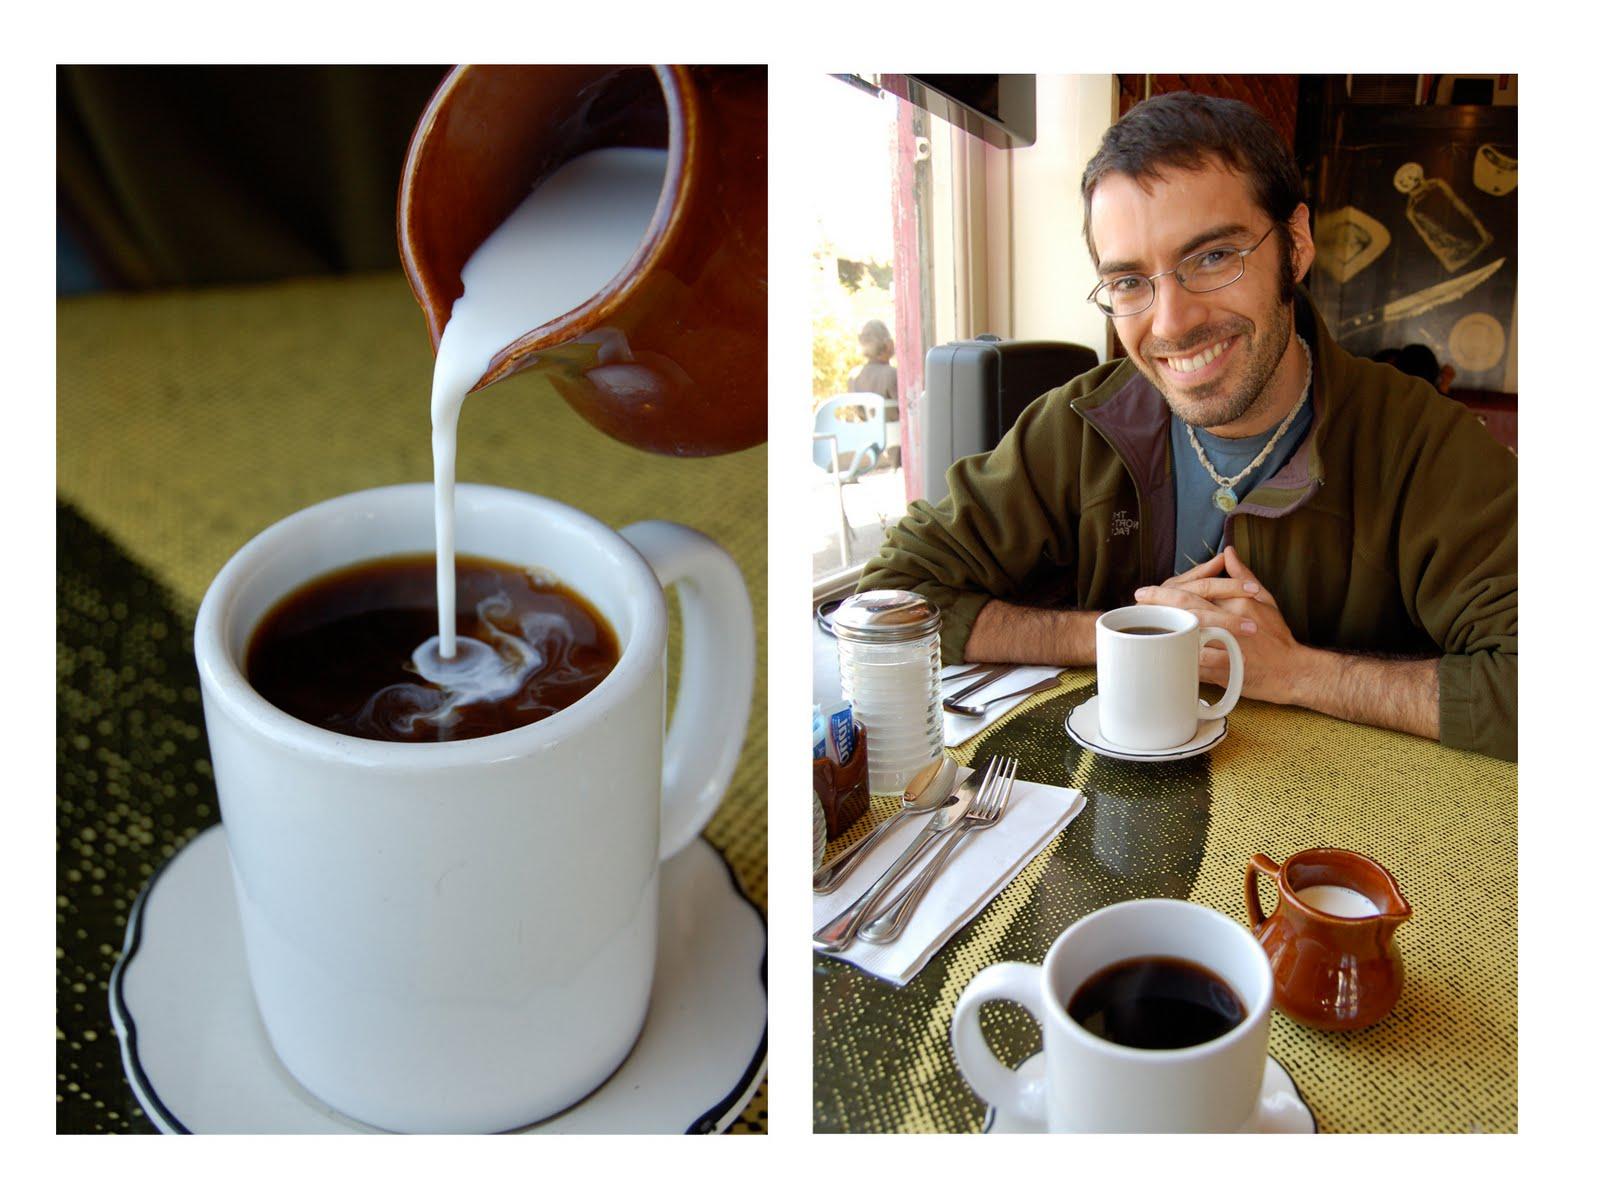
[1199, 273]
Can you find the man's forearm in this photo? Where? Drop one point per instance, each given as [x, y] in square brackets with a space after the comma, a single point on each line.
[1401, 695]
[1024, 635]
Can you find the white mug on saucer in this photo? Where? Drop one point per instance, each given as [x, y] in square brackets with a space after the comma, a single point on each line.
[1149, 683]
[1089, 1084]
[460, 936]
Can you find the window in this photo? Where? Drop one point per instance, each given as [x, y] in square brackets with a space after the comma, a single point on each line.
[938, 236]
[857, 341]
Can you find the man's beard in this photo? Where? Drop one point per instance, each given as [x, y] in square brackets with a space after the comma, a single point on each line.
[1208, 406]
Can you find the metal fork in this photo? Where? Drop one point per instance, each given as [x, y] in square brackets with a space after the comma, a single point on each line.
[986, 810]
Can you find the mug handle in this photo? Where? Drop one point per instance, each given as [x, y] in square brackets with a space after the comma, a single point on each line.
[716, 677]
[995, 1082]
[1222, 706]
[1258, 863]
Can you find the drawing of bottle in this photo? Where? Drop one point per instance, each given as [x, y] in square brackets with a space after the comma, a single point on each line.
[1445, 224]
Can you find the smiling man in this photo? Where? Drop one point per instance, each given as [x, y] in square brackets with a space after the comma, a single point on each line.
[1353, 528]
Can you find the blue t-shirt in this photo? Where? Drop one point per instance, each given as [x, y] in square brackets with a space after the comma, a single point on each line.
[1199, 519]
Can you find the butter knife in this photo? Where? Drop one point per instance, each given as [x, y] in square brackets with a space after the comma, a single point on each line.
[978, 684]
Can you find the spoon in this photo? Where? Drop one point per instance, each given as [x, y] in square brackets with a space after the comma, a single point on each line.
[976, 710]
[925, 791]
[838, 933]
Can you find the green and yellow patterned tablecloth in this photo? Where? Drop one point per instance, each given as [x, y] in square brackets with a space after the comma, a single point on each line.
[1443, 822]
[186, 423]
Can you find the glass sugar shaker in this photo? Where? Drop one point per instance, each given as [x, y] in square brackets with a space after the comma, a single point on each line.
[889, 670]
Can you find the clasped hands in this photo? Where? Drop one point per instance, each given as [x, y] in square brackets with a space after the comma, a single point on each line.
[1223, 592]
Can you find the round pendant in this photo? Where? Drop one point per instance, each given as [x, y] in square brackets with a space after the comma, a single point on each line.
[1225, 499]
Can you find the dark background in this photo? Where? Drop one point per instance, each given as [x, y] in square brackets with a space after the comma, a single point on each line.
[193, 175]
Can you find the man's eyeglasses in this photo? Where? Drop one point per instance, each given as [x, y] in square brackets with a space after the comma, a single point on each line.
[1199, 273]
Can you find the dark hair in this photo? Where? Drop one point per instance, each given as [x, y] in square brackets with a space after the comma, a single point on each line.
[1189, 131]
[1414, 359]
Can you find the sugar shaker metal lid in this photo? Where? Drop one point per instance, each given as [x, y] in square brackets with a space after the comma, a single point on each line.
[885, 615]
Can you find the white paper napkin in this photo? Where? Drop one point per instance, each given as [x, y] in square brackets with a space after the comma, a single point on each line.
[975, 874]
[958, 728]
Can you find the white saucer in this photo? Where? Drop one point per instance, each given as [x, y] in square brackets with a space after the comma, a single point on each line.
[1281, 1109]
[198, 1059]
[1083, 725]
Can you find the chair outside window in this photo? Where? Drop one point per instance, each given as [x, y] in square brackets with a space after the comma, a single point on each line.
[848, 436]
[856, 422]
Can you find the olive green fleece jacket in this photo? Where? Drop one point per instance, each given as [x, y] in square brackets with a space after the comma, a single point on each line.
[1391, 529]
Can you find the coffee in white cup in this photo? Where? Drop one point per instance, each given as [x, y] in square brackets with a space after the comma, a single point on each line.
[1148, 666]
[1090, 1083]
[461, 936]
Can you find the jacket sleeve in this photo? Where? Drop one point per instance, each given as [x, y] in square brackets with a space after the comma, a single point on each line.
[1008, 512]
[1458, 567]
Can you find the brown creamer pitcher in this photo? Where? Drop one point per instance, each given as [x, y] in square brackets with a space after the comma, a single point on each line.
[689, 313]
[1330, 971]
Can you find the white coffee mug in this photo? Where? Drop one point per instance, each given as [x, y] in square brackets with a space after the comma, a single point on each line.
[1091, 1085]
[460, 937]
[1149, 684]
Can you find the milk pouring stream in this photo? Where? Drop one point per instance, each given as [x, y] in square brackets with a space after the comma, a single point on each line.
[573, 233]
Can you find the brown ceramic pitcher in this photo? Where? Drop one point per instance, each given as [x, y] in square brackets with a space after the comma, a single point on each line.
[689, 315]
[1329, 972]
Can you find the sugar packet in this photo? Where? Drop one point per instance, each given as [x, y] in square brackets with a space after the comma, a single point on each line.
[841, 732]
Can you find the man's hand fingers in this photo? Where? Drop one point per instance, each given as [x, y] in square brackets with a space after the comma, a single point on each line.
[1212, 567]
[1236, 567]
[1240, 571]
[1208, 614]
[1217, 588]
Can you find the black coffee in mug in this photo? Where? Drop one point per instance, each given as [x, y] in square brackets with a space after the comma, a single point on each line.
[338, 652]
[1156, 1003]
[1145, 629]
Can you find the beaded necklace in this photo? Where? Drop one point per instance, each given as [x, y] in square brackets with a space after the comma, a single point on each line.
[1224, 499]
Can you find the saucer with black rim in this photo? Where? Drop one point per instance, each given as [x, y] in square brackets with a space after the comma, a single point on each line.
[1083, 725]
[1280, 1110]
[199, 1061]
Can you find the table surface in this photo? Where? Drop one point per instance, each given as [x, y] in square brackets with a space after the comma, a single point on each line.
[1444, 822]
[186, 423]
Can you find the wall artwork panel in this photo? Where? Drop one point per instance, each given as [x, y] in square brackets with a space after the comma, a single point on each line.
[1416, 231]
